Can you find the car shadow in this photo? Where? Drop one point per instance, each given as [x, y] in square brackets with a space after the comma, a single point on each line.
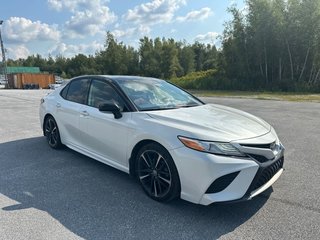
[95, 201]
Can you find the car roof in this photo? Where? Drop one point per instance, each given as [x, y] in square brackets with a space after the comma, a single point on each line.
[119, 78]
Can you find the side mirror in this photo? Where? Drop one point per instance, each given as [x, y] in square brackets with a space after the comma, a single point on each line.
[111, 107]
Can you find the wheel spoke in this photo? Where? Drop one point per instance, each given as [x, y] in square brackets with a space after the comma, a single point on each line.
[162, 183]
[165, 180]
[50, 124]
[144, 176]
[155, 188]
[151, 184]
[159, 185]
[161, 166]
[158, 160]
[145, 160]
[51, 140]
[163, 173]
[48, 127]
[150, 158]
[54, 137]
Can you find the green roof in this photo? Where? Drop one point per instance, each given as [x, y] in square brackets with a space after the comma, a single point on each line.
[23, 70]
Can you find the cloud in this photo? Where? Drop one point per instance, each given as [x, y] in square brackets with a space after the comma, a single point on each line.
[201, 14]
[69, 50]
[208, 37]
[140, 30]
[18, 51]
[143, 30]
[22, 30]
[138, 21]
[120, 33]
[55, 4]
[88, 17]
[89, 22]
[75, 5]
[154, 12]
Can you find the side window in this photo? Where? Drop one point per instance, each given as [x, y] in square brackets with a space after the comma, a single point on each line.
[64, 91]
[103, 92]
[78, 90]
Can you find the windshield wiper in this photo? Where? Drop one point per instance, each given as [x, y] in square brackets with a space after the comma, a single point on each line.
[187, 105]
[155, 109]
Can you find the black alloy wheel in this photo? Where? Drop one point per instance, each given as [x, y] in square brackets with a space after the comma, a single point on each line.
[157, 173]
[52, 133]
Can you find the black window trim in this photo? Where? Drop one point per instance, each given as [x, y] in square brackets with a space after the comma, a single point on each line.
[129, 105]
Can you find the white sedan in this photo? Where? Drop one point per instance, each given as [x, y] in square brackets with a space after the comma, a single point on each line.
[172, 142]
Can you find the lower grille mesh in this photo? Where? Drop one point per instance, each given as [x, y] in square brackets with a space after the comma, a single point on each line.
[265, 174]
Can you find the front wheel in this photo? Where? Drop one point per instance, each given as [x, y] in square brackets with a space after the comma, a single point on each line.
[157, 173]
[52, 133]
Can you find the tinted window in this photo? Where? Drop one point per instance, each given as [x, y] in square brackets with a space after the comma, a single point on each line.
[64, 91]
[103, 92]
[78, 90]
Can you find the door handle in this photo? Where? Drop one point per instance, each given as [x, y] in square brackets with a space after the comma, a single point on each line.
[58, 105]
[84, 113]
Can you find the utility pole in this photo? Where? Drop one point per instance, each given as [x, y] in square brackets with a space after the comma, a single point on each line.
[4, 61]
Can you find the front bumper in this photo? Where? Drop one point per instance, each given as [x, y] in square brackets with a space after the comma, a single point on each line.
[198, 170]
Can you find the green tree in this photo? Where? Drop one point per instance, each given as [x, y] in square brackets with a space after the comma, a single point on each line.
[186, 58]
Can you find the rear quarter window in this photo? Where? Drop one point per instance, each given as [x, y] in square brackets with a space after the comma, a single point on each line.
[64, 92]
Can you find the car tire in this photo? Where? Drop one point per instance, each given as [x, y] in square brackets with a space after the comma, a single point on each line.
[52, 133]
[157, 173]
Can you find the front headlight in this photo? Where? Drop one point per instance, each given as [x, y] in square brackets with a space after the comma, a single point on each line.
[220, 148]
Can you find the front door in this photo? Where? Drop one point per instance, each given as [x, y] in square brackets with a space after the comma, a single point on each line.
[103, 134]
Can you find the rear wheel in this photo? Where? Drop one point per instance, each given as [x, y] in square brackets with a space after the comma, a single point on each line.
[157, 173]
[52, 133]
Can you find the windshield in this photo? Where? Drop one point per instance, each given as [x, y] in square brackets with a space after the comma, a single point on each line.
[154, 94]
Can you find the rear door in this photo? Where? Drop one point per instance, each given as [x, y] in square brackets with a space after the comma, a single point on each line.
[69, 109]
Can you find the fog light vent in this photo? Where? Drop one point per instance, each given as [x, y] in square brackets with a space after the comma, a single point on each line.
[222, 183]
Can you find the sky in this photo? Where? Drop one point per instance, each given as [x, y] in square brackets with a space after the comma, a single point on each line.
[70, 27]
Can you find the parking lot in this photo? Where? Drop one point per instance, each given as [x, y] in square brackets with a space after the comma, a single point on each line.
[49, 194]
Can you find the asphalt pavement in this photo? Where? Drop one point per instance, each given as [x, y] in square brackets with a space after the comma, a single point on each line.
[50, 194]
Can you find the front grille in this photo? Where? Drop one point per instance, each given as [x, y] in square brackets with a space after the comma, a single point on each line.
[264, 174]
[258, 145]
[259, 158]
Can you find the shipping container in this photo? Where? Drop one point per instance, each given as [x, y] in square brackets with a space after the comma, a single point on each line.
[30, 80]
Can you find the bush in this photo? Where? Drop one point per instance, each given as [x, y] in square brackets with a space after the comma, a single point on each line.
[216, 80]
[203, 80]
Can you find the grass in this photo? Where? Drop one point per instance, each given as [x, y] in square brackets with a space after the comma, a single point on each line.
[280, 96]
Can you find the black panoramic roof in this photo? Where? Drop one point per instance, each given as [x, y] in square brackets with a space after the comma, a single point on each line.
[121, 78]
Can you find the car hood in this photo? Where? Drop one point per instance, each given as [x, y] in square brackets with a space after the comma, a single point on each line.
[212, 122]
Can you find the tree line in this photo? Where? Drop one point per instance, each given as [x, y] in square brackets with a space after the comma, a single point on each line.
[270, 45]
[162, 58]
[274, 45]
